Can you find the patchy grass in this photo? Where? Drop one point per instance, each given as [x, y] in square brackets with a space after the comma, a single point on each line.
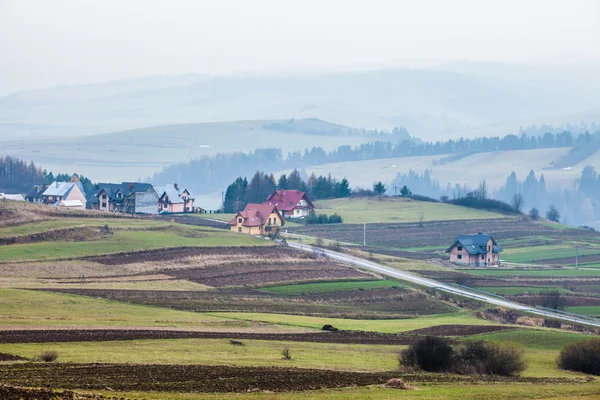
[548, 272]
[388, 209]
[220, 352]
[122, 284]
[62, 223]
[542, 339]
[325, 287]
[386, 326]
[173, 236]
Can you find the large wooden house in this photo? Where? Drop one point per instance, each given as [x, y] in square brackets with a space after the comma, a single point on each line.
[173, 199]
[291, 203]
[257, 219]
[475, 250]
[127, 197]
[58, 191]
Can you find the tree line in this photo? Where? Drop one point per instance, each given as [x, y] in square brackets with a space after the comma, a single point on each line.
[205, 174]
[241, 192]
[19, 176]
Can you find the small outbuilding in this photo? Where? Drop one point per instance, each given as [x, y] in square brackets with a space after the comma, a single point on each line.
[479, 250]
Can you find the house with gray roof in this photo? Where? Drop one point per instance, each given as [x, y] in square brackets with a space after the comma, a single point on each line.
[57, 191]
[127, 197]
[479, 250]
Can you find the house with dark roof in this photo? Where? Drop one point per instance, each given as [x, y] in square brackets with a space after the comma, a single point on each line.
[58, 191]
[173, 199]
[257, 219]
[35, 194]
[291, 203]
[127, 197]
[475, 250]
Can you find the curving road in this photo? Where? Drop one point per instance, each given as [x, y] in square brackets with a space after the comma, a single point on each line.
[407, 276]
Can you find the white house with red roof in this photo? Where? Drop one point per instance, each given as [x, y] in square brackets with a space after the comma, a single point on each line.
[291, 203]
[257, 219]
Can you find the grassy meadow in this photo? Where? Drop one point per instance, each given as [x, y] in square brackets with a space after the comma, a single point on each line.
[397, 210]
[327, 287]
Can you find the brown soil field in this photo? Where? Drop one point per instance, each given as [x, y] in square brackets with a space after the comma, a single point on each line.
[102, 335]
[570, 300]
[570, 260]
[383, 303]
[216, 379]
[10, 357]
[436, 233]
[458, 330]
[189, 220]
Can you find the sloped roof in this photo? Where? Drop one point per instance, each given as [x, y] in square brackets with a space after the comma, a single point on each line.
[256, 214]
[287, 200]
[70, 203]
[111, 189]
[62, 189]
[37, 191]
[475, 244]
[14, 197]
[172, 193]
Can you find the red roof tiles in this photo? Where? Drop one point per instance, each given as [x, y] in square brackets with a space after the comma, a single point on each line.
[287, 200]
[255, 214]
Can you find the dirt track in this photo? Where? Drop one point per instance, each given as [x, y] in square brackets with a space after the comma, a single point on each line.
[98, 335]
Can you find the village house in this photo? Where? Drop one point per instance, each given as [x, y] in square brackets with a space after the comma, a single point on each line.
[58, 191]
[475, 250]
[35, 194]
[127, 197]
[257, 219]
[173, 199]
[291, 203]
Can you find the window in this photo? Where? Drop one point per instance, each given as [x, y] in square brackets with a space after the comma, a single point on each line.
[460, 256]
[239, 228]
[269, 221]
[489, 248]
[103, 205]
[482, 257]
[459, 248]
[104, 197]
[488, 260]
[240, 221]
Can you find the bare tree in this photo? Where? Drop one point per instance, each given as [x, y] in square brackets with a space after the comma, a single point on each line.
[482, 192]
[517, 202]
[421, 217]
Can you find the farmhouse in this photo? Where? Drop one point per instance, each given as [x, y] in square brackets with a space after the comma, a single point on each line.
[290, 203]
[173, 199]
[35, 194]
[128, 197]
[257, 219]
[474, 250]
[58, 191]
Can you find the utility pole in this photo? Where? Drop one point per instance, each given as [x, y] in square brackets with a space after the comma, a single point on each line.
[222, 202]
[365, 234]
[395, 190]
[576, 255]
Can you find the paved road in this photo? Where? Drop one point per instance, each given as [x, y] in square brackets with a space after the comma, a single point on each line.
[407, 276]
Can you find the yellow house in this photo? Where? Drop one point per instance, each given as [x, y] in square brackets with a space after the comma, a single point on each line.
[257, 219]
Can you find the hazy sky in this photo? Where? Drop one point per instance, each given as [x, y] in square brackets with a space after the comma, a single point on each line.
[47, 43]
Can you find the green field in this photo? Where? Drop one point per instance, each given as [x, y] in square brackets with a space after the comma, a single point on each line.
[397, 210]
[542, 339]
[385, 326]
[173, 235]
[592, 311]
[536, 253]
[571, 272]
[324, 287]
[514, 290]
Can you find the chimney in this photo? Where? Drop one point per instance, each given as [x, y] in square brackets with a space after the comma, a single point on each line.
[56, 183]
[481, 233]
[175, 186]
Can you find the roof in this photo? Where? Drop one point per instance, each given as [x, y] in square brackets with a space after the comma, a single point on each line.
[287, 200]
[71, 203]
[62, 189]
[255, 214]
[172, 193]
[111, 189]
[15, 197]
[36, 191]
[475, 244]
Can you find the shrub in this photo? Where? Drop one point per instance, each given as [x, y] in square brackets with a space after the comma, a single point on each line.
[581, 356]
[534, 214]
[286, 353]
[335, 219]
[48, 356]
[489, 358]
[420, 197]
[432, 354]
[330, 328]
[484, 204]
[313, 219]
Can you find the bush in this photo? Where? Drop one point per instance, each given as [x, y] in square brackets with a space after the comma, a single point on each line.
[313, 219]
[420, 197]
[48, 356]
[286, 353]
[432, 354]
[484, 204]
[335, 219]
[582, 357]
[534, 214]
[489, 358]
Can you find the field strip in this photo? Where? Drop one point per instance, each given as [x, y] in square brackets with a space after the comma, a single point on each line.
[371, 266]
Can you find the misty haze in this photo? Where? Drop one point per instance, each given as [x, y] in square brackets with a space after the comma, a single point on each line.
[314, 200]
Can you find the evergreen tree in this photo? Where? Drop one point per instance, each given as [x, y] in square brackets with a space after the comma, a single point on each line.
[235, 196]
[342, 189]
[282, 183]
